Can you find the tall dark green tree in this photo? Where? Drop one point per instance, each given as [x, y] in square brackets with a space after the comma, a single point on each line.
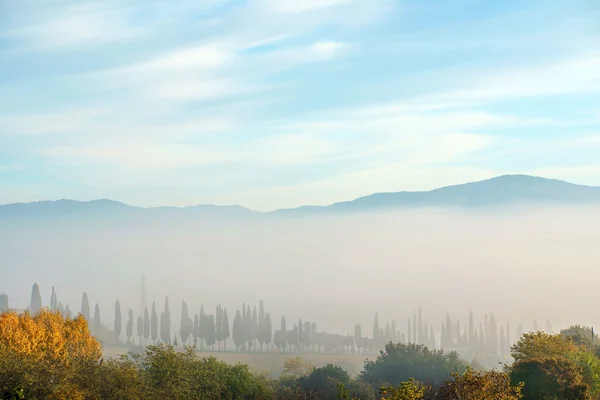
[129, 327]
[247, 322]
[53, 300]
[268, 330]
[254, 328]
[376, 327]
[219, 326]
[261, 324]
[97, 321]
[165, 323]
[146, 324]
[225, 330]
[85, 308]
[117, 321]
[195, 331]
[186, 325]
[238, 331]
[202, 324]
[211, 337]
[36, 299]
[154, 324]
[140, 328]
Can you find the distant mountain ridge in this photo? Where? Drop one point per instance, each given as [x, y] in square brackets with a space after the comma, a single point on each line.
[498, 191]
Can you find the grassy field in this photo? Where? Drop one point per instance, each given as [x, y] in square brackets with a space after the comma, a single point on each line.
[272, 362]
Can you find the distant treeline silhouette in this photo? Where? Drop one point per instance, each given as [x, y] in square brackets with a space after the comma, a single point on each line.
[252, 330]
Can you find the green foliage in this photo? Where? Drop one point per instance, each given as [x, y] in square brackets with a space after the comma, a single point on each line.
[474, 385]
[550, 378]
[322, 383]
[398, 363]
[409, 390]
[540, 353]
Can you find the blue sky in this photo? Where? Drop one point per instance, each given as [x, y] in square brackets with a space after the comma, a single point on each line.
[279, 103]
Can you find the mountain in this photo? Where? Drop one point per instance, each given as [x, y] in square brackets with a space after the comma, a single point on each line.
[499, 191]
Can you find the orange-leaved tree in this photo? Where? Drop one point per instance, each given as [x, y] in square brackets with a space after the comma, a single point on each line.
[45, 354]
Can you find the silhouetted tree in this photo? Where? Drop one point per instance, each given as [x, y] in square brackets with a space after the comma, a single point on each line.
[195, 330]
[357, 331]
[53, 300]
[219, 326]
[187, 325]
[129, 328]
[225, 329]
[146, 324]
[36, 299]
[165, 323]
[261, 324]
[154, 324]
[210, 331]
[202, 326]
[254, 327]
[117, 321]
[376, 327]
[97, 323]
[140, 328]
[268, 330]
[237, 331]
[85, 308]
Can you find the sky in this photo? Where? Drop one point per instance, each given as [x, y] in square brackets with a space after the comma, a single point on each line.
[280, 103]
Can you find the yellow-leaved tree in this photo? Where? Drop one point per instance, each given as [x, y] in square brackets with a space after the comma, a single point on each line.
[45, 355]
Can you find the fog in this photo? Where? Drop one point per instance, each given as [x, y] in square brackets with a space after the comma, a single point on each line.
[522, 264]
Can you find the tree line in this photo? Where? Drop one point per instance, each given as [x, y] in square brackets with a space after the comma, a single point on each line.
[46, 355]
[252, 330]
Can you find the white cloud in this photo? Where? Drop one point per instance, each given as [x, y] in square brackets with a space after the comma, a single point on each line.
[80, 24]
[294, 6]
[327, 49]
[571, 76]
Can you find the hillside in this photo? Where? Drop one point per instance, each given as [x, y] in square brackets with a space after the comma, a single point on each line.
[499, 191]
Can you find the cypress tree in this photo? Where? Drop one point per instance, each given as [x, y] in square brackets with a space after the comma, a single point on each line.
[186, 324]
[140, 327]
[202, 326]
[219, 326]
[420, 330]
[85, 307]
[146, 324]
[261, 325]
[376, 327]
[237, 331]
[53, 300]
[195, 331]
[154, 324]
[117, 321]
[414, 327]
[36, 299]
[97, 323]
[254, 328]
[165, 323]
[225, 330]
[129, 328]
[268, 330]
[211, 331]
